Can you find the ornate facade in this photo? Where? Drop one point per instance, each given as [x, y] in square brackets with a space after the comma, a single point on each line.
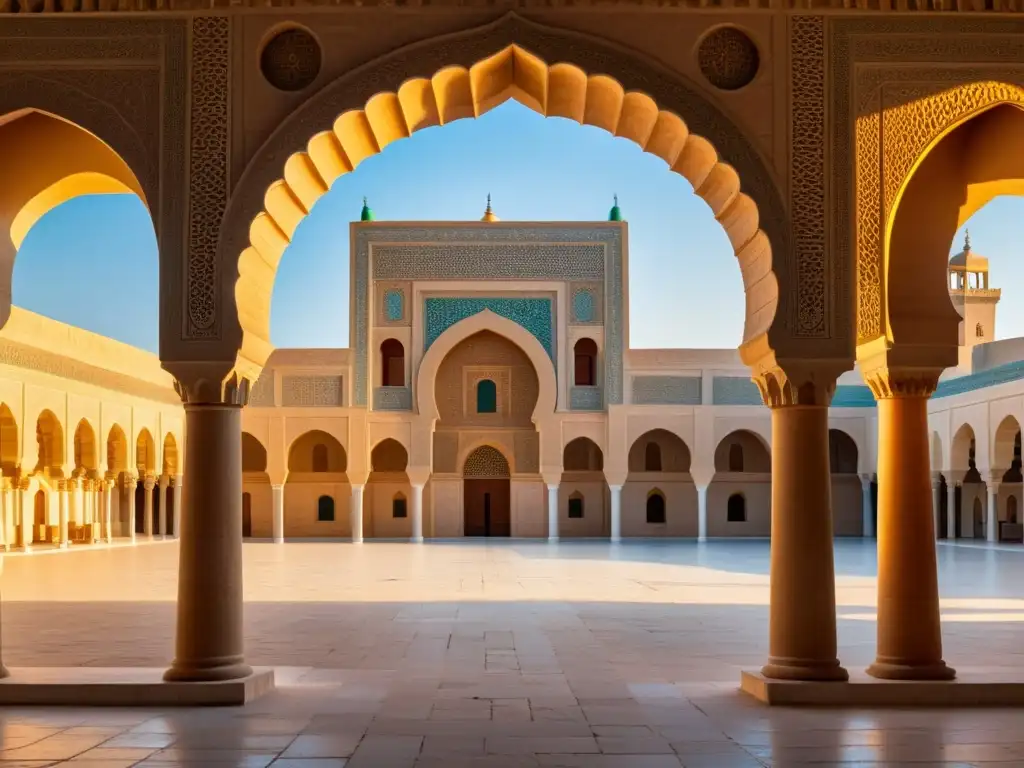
[836, 146]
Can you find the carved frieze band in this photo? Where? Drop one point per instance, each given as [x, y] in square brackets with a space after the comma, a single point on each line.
[884, 117]
[807, 174]
[208, 177]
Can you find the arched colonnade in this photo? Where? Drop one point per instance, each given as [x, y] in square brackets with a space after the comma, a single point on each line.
[69, 487]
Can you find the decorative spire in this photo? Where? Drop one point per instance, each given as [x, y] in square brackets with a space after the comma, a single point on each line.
[367, 212]
[967, 240]
[615, 214]
[489, 214]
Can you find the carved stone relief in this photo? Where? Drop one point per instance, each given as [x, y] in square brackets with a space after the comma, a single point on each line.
[208, 174]
[312, 391]
[894, 112]
[728, 58]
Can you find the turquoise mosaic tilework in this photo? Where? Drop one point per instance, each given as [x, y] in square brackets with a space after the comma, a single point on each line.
[583, 306]
[586, 399]
[734, 390]
[533, 314]
[393, 305]
[990, 378]
[666, 390]
[852, 396]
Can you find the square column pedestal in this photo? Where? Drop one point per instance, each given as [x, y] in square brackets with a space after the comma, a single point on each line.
[125, 687]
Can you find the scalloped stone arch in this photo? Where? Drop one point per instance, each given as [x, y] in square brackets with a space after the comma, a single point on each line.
[426, 376]
[919, 127]
[465, 75]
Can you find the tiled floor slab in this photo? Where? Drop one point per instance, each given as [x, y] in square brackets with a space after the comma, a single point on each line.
[510, 654]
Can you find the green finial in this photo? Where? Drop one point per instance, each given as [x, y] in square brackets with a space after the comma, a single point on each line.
[615, 214]
[967, 239]
[367, 213]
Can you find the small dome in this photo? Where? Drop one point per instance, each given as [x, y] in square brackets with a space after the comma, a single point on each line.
[367, 213]
[489, 214]
[967, 260]
[615, 214]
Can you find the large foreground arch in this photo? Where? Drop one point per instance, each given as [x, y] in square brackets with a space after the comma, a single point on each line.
[464, 75]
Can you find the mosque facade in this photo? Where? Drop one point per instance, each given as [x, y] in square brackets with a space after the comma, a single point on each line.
[489, 390]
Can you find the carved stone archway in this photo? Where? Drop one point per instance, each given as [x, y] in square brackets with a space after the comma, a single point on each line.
[649, 95]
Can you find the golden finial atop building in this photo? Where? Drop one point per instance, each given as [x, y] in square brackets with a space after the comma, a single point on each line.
[489, 214]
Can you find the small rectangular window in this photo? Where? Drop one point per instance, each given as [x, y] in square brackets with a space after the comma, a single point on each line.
[398, 508]
[576, 508]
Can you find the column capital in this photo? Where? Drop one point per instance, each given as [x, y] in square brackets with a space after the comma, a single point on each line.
[797, 382]
[888, 382]
[130, 481]
[551, 475]
[210, 382]
[418, 475]
[148, 482]
[275, 486]
[866, 478]
[176, 481]
[616, 477]
[163, 481]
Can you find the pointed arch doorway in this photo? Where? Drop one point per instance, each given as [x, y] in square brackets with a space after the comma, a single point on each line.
[486, 494]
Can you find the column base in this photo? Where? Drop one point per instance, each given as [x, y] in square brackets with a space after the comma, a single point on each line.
[279, 539]
[794, 669]
[616, 539]
[206, 673]
[357, 541]
[885, 670]
[552, 539]
[416, 539]
[64, 545]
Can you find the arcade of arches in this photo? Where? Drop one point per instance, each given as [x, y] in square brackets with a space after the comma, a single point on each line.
[843, 258]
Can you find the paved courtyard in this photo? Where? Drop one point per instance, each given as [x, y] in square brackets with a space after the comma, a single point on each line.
[509, 654]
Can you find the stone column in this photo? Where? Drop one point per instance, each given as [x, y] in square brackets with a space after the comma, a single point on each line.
[209, 641]
[356, 513]
[277, 495]
[909, 635]
[26, 528]
[702, 513]
[552, 513]
[63, 492]
[417, 513]
[148, 483]
[937, 499]
[992, 509]
[867, 508]
[108, 522]
[3, 670]
[162, 497]
[9, 520]
[130, 484]
[179, 503]
[802, 620]
[616, 516]
[950, 508]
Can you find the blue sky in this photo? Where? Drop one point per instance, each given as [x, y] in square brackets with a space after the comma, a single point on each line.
[92, 262]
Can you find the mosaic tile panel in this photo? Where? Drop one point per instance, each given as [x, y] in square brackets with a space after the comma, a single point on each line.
[393, 305]
[586, 399]
[853, 396]
[667, 390]
[392, 399]
[734, 390]
[999, 375]
[312, 392]
[485, 461]
[583, 306]
[500, 261]
[464, 243]
[262, 394]
[534, 315]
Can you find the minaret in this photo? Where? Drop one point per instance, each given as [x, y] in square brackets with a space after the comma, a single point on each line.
[489, 214]
[974, 299]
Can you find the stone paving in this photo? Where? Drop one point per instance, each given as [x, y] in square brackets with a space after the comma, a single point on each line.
[509, 654]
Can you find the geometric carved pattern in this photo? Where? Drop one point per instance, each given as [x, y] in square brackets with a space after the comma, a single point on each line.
[734, 390]
[666, 390]
[208, 163]
[807, 180]
[527, 261]
[262, 393]
[527, 445]
[583, 306]
[291, 60]
[728, 58]
[393, 305]
[311, 391]
[585, 399]
[485, 462]
[534, 315]
[392, 399]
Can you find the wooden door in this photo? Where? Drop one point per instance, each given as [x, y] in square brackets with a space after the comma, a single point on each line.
[246, 515]
[487, 508]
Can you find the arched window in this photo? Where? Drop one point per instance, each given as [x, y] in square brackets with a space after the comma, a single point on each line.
[576, 505]
[735, 457]
[1011, 509]
[392, 363]
[398, 506]
[486, 396]
[736, 511]
[655, 507]
[325, 509]
[586, 363]
[652, 458]
[320, 458]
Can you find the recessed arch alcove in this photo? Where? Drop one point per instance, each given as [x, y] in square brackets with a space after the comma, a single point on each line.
[555, 72]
